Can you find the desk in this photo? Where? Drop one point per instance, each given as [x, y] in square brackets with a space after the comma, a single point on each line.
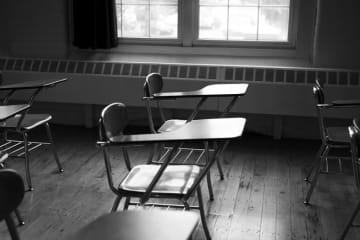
[140, 225]
[26, 122]
[32, 84]
[197, 130]
[29, 85]
[9, 111]
[218, 129]
[213, 90]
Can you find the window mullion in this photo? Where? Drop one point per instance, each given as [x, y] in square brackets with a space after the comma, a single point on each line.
[188, 22]
[228, 20]
[258, 21]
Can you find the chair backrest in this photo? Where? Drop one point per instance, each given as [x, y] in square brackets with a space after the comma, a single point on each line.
[11, 191]
[319, 95]
[113, 120]
[318, 91]
[354, 132]
[153, 84]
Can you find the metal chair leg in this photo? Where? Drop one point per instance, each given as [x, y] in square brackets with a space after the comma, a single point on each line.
[53, 148]
[202, 214]
[27, 163]
[18, 216]
[12, 228]
[356, 171]
[126, 204]
[316, 176]
[152, 153]
[316, 161]
[116, 204]
[208, 176]
[209, 184]
[351, 221]
[218, 163]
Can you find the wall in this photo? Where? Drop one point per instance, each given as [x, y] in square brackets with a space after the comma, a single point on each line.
[39, 29]
[338, 36]
[34, 28]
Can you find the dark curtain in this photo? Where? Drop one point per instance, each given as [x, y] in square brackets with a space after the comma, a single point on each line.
[94, 23]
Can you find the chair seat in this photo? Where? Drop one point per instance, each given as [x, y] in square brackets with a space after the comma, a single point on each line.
[171, 125]
[176, 179]
[29, 122]
[338, 135]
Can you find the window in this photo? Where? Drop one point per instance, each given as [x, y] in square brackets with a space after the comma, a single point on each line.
[214, 21]
[244, 20]
[147, 18]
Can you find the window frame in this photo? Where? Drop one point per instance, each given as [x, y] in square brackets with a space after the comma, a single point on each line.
[188, 18]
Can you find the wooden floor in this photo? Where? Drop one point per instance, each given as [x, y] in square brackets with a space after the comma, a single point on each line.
[260, 198]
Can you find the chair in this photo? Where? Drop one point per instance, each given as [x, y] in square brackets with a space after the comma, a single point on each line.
[3, 157]
[140, 225]
[176, 181]
[25, 123]
[332, 138]
[11, 195]
[154, 84]
[354, 132]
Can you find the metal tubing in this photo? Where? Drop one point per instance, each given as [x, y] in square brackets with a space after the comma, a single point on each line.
[126, 204]
[229, 107]
[221, 173]
[19, 218]
[208, 176]
[202, 214]
[126, 158]
[116, 203]
[316, 176]
[53, 148]
[156, 178]
[12, 228]
[196, 110]
[317, 159]
[351, 220]
[27, 164]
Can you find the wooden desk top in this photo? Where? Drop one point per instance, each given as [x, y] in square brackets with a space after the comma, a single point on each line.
[8, 111]
[32, 84]
[140, 225]
[196, 130]
[213, 90]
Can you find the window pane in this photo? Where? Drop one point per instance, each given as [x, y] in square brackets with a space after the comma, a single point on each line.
[164, 2]
[243, 23]
[132, 2]
[243, 2]
[135, 21]
[118, 12]
[163, 21]
[275, 2]
[273, 24]
[213, 2]
[213, 23]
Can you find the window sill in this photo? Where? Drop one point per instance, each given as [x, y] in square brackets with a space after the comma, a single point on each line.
[196, 56]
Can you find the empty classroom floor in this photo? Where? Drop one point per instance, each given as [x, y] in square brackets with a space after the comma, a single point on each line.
[260, 198]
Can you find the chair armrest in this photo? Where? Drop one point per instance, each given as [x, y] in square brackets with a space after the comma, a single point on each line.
[347, 103]
[324, 105]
